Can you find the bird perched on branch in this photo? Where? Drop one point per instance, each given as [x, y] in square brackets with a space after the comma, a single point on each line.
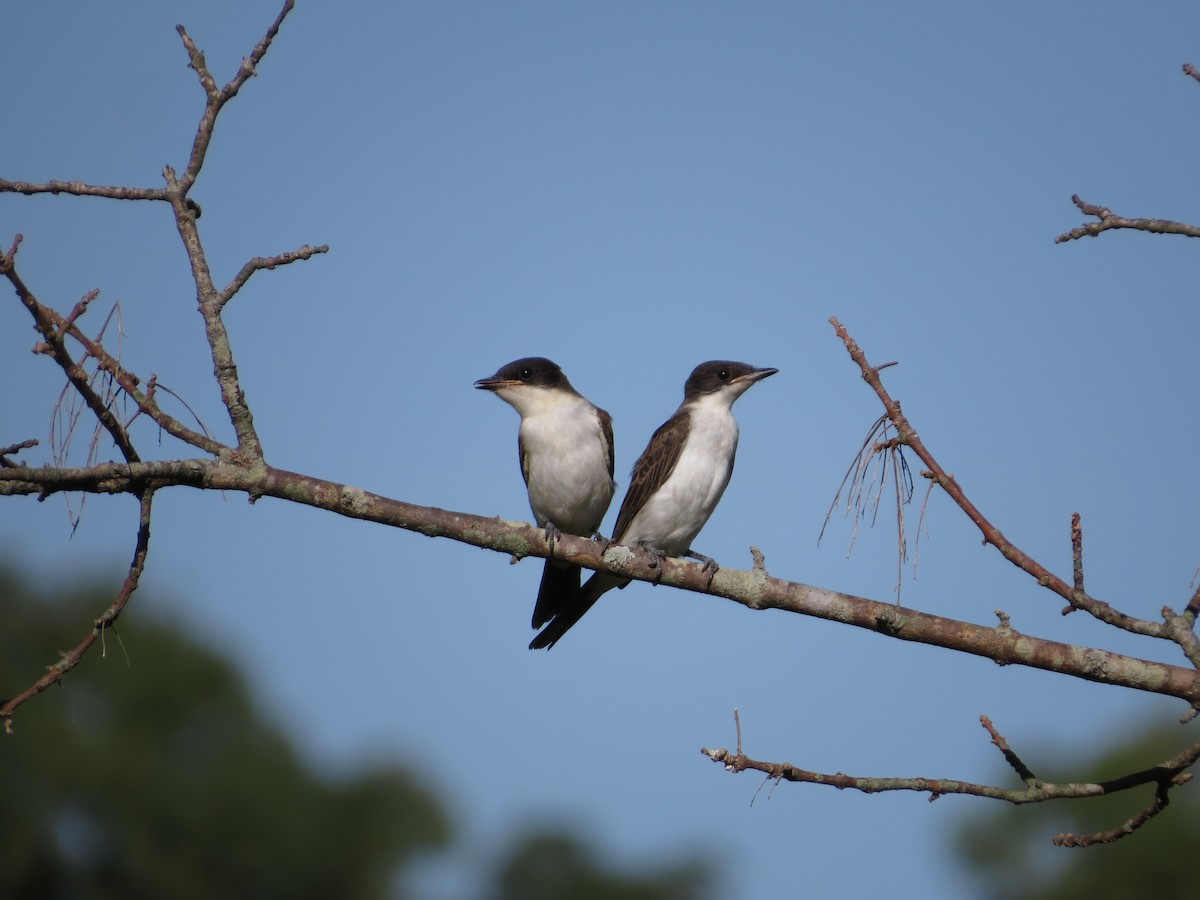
[566, 450]
[676, 483]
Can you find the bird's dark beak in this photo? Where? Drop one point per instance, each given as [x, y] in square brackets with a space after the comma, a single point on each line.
[494, 383]
[756, 375]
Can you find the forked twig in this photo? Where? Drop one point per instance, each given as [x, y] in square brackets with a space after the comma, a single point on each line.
[1109, 221]
[1165, 776]
[908, 435]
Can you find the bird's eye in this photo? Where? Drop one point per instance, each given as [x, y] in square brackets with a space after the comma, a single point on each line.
[526, 373]
[723, 374]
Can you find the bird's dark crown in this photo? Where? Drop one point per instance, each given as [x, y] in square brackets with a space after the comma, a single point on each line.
[533, 370]
[711, 376]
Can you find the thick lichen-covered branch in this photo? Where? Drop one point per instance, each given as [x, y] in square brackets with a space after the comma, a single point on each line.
[753, 588]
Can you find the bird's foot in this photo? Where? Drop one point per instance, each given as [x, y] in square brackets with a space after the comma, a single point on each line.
[552, 536]
[607, 542]
[656, 558]
[710, 565]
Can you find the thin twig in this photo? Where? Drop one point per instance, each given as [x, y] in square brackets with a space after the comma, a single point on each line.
[1164, 776]
[1126, 828]
[1110, 221]
[1010, 756]
[51, 326]
[1193, 607]
[217, 98]
[82, 189]
[70, 659]
[269, 262]
[991, 534]
[49, 323]
[1076, 562]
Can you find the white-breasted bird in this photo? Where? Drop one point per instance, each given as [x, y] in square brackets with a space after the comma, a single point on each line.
[676, 482]
[566, 451]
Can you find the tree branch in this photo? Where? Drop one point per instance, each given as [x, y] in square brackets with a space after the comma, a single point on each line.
[8, 451]
[269, 262]
[55, 328]
[754, 589]
[991, 534]
[81, 189]
[1110, 221]
[1164, 776]
[218, 97]
[70, 659]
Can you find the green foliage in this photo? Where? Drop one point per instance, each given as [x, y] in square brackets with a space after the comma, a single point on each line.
[150, 775]
[1010, 853]
[547, 865]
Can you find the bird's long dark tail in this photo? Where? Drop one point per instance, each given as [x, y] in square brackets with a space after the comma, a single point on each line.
[560, 584]
[572, 611]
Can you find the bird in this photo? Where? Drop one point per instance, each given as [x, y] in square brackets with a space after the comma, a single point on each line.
[676, 482]
[566, 452]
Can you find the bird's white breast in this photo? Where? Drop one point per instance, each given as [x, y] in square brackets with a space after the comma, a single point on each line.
[567, 463]
[673, 516]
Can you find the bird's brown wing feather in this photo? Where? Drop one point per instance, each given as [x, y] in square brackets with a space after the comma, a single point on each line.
[524, 458]
[606, 427]
[652, 469]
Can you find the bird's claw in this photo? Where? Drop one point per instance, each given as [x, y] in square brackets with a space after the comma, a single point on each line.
[656, 558]
[552, 536]
[607, 542]
[709, 564]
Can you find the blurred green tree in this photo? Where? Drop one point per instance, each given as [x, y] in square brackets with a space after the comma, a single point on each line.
[1010, 855]
[149, 774]
[153, 776]
[547, 864]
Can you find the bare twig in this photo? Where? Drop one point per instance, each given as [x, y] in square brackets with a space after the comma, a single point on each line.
[269, 262]
[1077, 550]
[1010, 756]
[906, 434]
[1164, 776]
[53, 329]
[1193, 607]
[218, 97]
[70, 659]
[82, 189]
[1190, 70]
[249, 445]
[15, 448]
[1110, 221]
[1076, 563]
[1126, 828]
[50, 324]
[153, 385]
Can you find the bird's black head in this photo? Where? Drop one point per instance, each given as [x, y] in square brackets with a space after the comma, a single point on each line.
[536, 371]
[716, 374]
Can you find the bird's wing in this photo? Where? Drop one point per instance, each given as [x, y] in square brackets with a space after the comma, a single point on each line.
[653, 468]
[606, 429]
[524, 458]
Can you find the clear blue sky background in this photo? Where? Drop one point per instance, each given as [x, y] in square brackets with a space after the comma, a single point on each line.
[630, 189]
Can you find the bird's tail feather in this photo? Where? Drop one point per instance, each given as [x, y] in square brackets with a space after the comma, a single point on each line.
[571, 612]
[560, 584]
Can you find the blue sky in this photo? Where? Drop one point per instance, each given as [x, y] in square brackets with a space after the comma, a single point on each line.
[631, 189]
